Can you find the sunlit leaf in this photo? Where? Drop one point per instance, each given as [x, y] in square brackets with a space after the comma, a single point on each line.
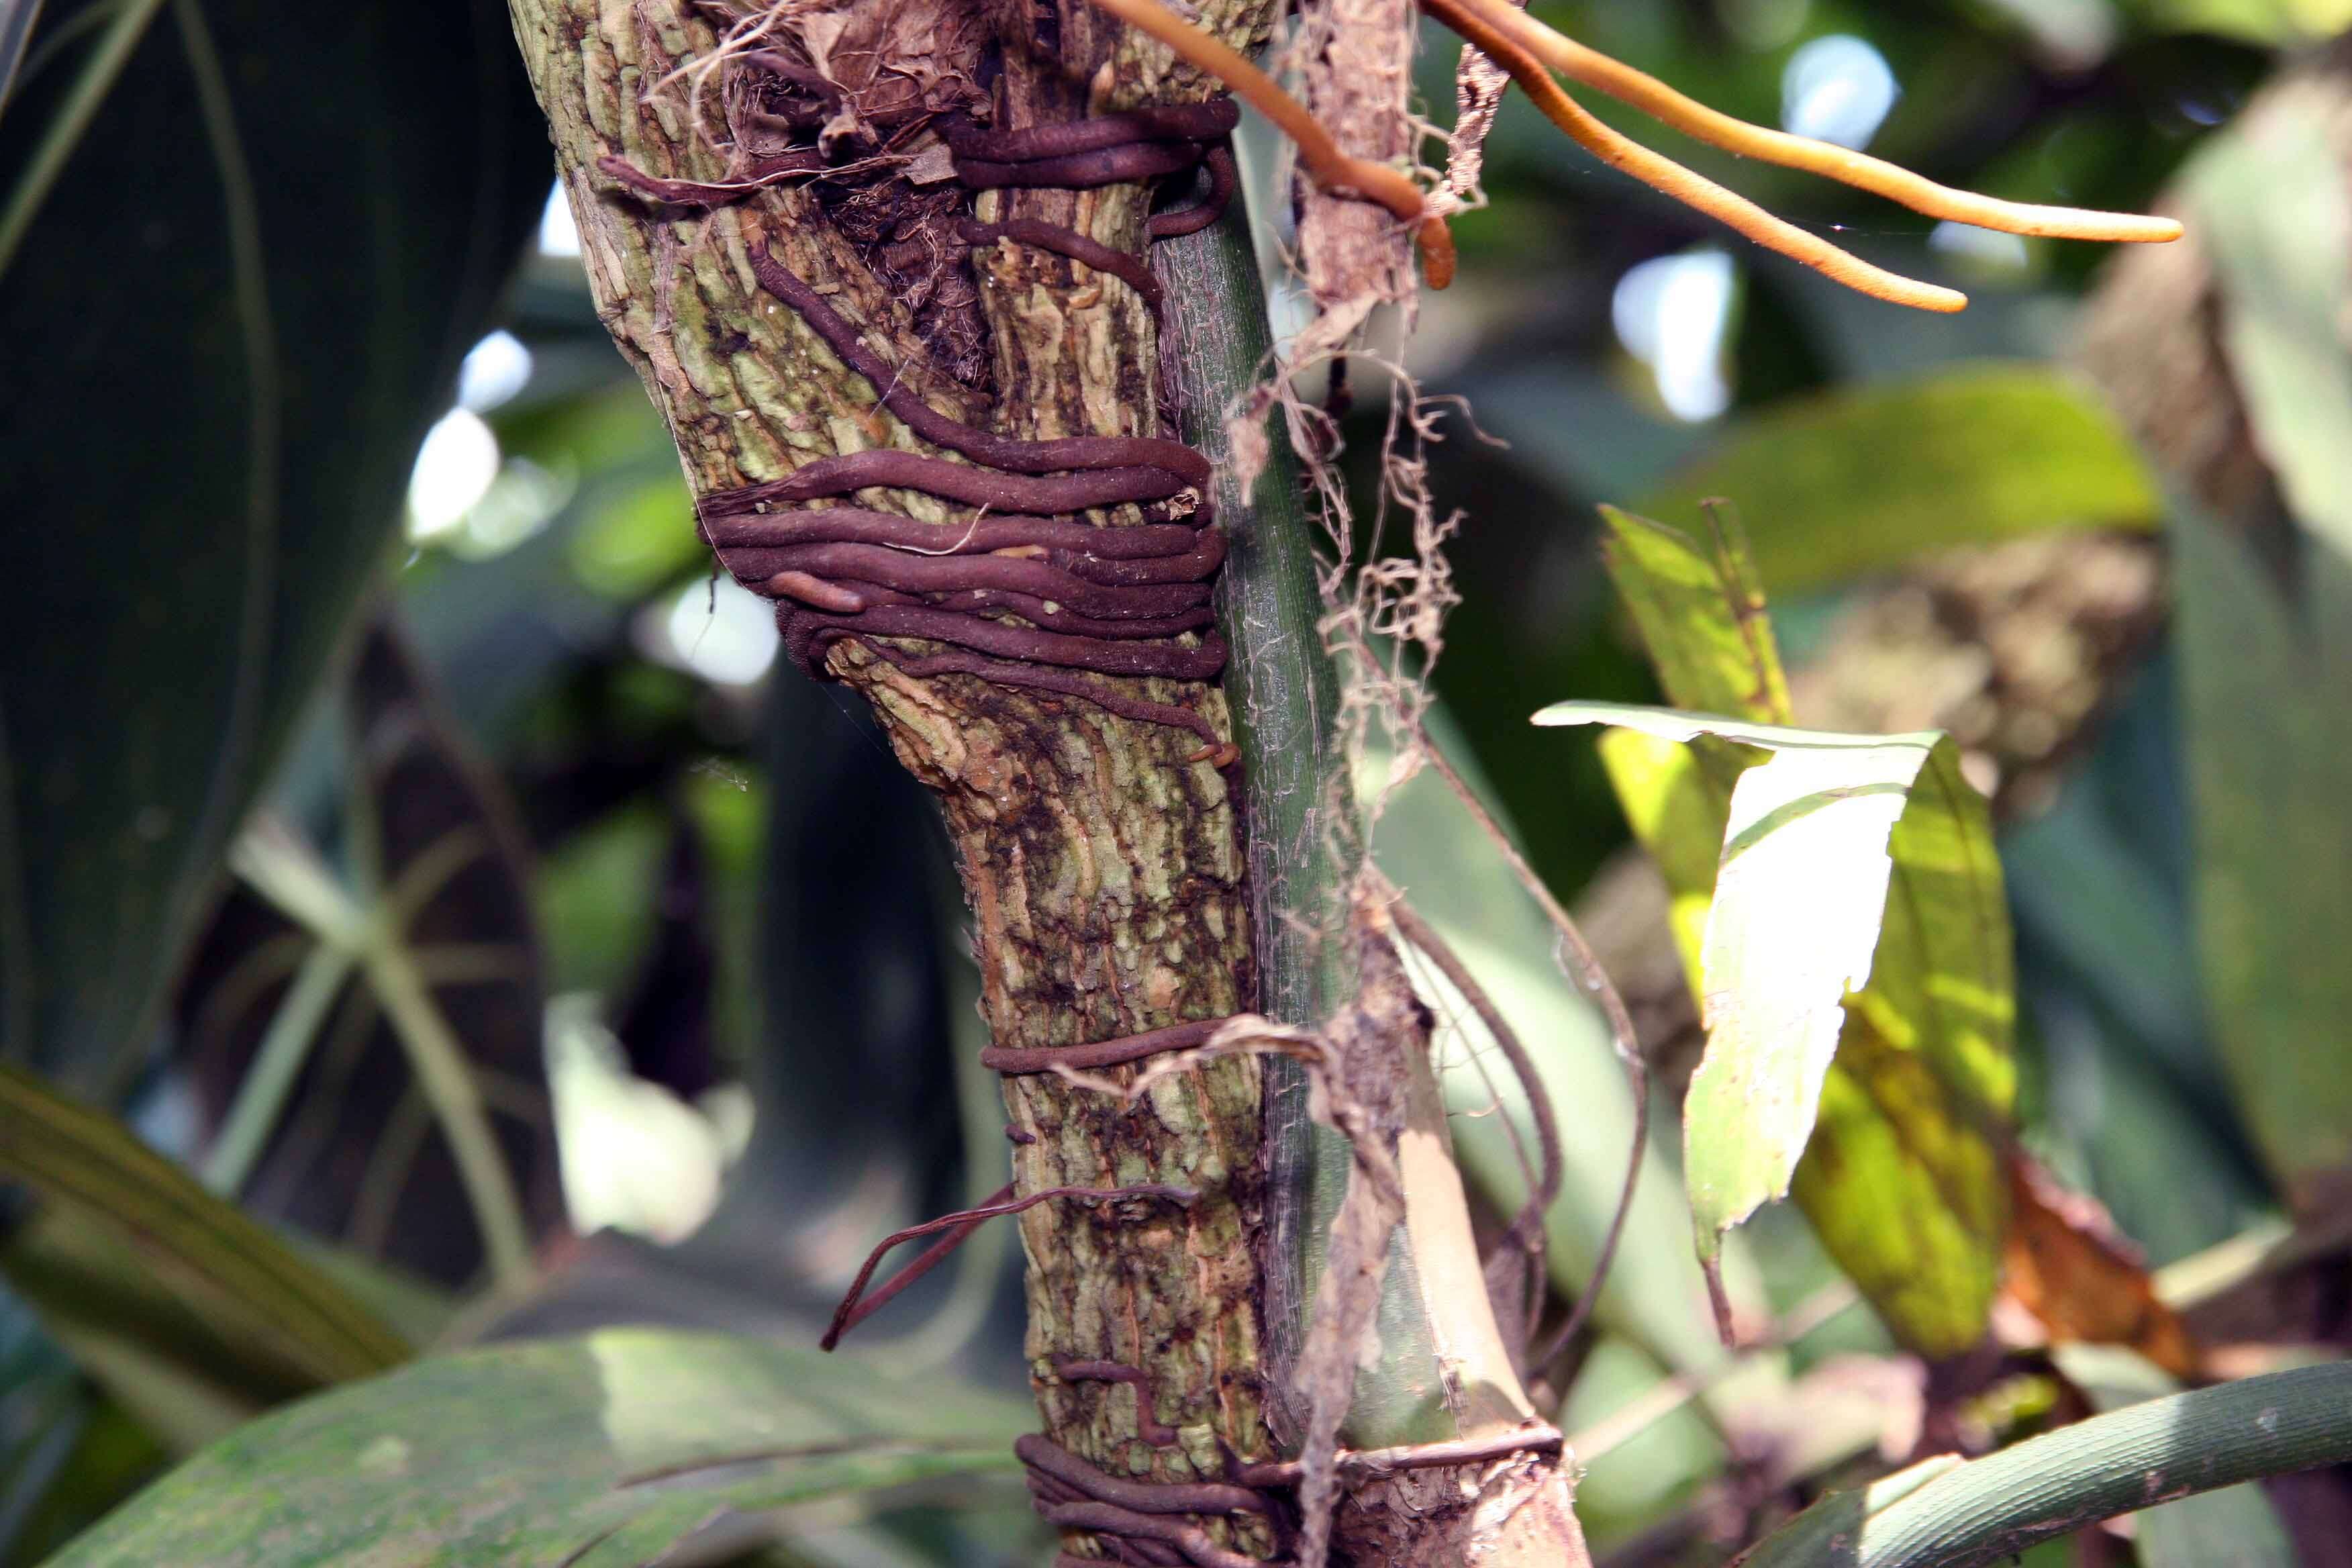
[1855, 482]
[601, 1451]
[1839, 907]
[1801, 907]
[231, 1277]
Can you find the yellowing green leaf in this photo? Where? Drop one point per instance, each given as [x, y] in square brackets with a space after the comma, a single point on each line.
[1851, 482]
[1800, 910]
[1838, 907]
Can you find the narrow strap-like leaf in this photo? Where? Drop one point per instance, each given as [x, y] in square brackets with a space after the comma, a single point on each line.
[79, 1155]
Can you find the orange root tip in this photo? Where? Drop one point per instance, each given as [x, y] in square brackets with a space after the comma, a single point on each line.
[1436, 242]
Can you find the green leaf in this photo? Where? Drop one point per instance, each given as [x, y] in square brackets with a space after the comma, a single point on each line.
[2266, 656]
[2268, 202]
[228, 325]
[1947, 1514]
[2236, 1525]
[1802, 919]
[2268, 744]
[2254, 22]
[1839, 907]
[1847, 483]
[1701, 614]
[237, 1282]
[600, 1451]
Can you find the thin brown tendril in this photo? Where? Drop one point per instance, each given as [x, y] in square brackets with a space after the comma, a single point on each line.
[1102, 1054]
[856, 1307]
[1525, 1230]
[1621, 1038]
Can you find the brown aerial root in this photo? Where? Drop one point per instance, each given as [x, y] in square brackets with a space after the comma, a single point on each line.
[858, 1305]
[1149, 1522]
[1525, 48]
[1331, 168]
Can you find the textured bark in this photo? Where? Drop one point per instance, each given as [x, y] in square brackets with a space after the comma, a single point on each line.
[1358, 75]
[1105, 873]
[1515, 1514]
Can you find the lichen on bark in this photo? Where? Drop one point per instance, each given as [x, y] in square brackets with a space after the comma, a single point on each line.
[1104, 870]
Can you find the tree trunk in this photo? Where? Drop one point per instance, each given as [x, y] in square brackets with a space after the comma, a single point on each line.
[1102, 855]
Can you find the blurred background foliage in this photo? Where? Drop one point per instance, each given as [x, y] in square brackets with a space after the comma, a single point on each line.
[550, 813]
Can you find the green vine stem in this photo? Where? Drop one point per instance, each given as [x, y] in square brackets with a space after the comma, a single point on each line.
[1444, 1372]
[1947, 1514]
[1285, 695]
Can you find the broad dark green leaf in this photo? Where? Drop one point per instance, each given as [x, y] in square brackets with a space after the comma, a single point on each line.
[596, 1452]
[1839, 907]
[2269, 752]
[227, 329]
[1858, 481]
[2265, 664]
[233, 1280]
